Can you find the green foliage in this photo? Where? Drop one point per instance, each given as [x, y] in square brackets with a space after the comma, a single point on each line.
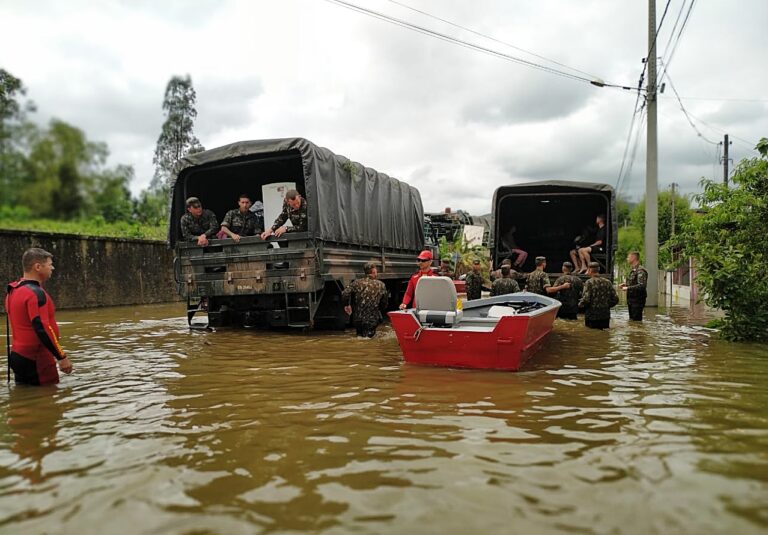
[462, 255]
[630, 239]
[11, 218]
[176, 138]
[13, 130]
[683, 215]
[728, 242]
[623, 211]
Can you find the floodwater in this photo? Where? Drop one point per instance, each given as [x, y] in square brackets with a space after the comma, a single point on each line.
[651, 428]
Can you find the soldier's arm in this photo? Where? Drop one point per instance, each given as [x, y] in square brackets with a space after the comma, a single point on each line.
[384, 301]
[212, 226]
[186, 230]
[346, 295]
[586, 297]
[282, 218]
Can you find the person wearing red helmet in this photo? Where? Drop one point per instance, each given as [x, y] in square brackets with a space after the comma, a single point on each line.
[425, 270]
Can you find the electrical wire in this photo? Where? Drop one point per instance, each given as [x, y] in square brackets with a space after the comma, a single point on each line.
[472, 46]
[667, 59]
[490, 38]
[687, 115]
[630, 162]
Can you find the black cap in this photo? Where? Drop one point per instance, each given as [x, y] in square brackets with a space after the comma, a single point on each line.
[568, 265]
[540, 259]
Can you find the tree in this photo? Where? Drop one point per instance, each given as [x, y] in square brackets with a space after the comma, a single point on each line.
[727, 242]
[13, 133]
[176, 138]
[683, 214]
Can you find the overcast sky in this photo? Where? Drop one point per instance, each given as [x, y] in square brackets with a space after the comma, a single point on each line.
[454, 122]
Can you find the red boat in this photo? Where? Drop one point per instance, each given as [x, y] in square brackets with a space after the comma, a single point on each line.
[498, 333]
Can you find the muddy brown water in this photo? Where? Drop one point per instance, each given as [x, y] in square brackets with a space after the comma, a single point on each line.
[651, 428]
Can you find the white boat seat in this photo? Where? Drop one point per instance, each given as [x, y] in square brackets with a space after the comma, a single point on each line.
[497, 311]
[436, 301]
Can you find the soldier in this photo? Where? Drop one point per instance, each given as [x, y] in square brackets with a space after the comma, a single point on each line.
[425, 270]
[496, 274]
[198, 224]
[368, 299]
[569, 297]
[240, 221]
[295, 209]
[636, 287]
[506, 284]
[474, 281]
[538, 280]
[445, 268]
[597, 300]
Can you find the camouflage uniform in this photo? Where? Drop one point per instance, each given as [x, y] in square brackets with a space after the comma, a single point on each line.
[244, 224]
[569, 297]
[369, 298]
[636, 292]
[298, 217]
[514, 275]
[474, 285]
[537, 282]
[192, 227]
[598, 299]
[504, 286]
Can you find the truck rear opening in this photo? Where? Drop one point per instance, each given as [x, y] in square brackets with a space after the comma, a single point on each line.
[549, 217]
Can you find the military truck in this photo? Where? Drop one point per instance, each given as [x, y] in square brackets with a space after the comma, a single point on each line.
[551, 218]
[355, 215]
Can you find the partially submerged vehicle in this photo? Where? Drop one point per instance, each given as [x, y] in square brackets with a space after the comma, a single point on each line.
[355, 215]
[552, 217]
[499, 333]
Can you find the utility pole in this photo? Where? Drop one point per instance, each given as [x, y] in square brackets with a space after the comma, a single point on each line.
[652, 169]
[725, 160]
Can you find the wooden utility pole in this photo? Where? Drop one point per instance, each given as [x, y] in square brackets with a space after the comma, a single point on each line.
[652, 169]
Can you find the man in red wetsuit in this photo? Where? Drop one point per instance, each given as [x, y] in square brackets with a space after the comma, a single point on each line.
[425, 270]
[30, 310]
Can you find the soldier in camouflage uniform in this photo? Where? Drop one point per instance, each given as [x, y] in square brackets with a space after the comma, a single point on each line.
[597, 300]
[506, 284]
[569, 297]
[474, 281]
[366, 299]
[636, 287]
[295, 209]
[240, 221]
[445, 268]
[538, 280]
[198, 224]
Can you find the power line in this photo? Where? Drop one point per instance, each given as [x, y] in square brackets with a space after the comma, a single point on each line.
[472, 46]
[685, 112]
[630, 161]
[723, 99]
[486, 36]
[668, 60]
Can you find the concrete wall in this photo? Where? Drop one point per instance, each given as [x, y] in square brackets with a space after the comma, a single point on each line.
[94, 272]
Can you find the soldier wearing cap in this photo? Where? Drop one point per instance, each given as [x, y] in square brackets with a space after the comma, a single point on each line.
[636, 287]
[474, 281]
[538, 280]
[506, 284]
[198, 224]
[445, 268]
[366, 299]
[569, 297]
[424, 261]
[598, 298]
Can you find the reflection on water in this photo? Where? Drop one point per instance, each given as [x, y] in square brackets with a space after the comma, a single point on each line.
[650, 428]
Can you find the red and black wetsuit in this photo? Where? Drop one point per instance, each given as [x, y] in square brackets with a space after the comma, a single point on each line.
[36, 346]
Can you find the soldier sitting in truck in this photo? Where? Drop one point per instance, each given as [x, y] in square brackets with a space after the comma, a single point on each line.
[581, 255]
[295, 209]
[240, 221]
[198, 224]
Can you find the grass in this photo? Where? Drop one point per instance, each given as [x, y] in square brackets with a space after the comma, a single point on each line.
[88, 227]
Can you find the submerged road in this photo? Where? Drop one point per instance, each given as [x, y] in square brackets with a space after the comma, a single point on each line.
[651, 428]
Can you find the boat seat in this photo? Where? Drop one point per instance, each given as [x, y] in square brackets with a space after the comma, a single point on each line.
[436, 301]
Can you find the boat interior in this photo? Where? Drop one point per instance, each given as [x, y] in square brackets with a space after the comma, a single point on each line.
[436, 301]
